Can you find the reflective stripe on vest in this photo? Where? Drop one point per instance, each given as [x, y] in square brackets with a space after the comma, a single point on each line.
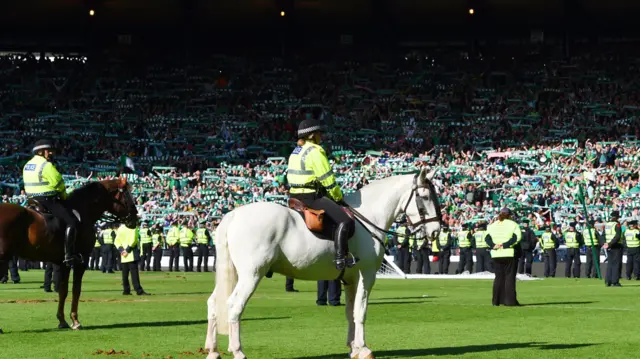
[155, 239]
[587, 237]
[400, 231]
[443, 238]
[106, 237]
[463, 241]
[34, 184]
[201, 235]
[480, 239]
[631, 237]
[298, 175]
[547, 241]
[186, 237]
[610, 231]
[571, 240]
[502, 232]
[144, 236]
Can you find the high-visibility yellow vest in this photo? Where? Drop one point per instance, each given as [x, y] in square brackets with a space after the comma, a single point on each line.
[155, 239]
[144, 236]
[501, 232]
[400, 231]
[587, 233]
[571, 240]
[97, 244]
[435, 248]
[631, 237]
[547, 241]
[173, 235]
[443, 238]
[42, 179]
[480, 236]
[186, 237]
[201, 235]
[463, 241]
[127, 237]
[610, 231]
[106, 236]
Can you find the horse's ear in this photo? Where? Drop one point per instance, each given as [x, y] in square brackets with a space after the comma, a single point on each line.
[425, 176]
[123, 181]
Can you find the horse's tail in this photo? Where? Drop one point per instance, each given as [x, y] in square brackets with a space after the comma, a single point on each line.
[226, 275]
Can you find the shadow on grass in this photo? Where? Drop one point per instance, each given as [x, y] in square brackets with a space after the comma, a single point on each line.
[554, 303]
[457, 350]
[401, 298]
[145, 325]
[398, 302]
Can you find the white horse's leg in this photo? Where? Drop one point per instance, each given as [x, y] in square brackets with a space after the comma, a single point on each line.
[247, 284]
[350, 297]
[211, 344]
[359, 348]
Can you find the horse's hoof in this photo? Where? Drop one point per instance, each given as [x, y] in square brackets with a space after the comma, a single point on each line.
[77, 326]
[1, 332]
[64, 325]
[214, 355]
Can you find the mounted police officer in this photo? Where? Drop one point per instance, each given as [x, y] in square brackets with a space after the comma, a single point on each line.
[43, 182]
[313, 182]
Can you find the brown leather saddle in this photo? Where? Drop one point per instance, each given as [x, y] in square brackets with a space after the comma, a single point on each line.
[313, 218]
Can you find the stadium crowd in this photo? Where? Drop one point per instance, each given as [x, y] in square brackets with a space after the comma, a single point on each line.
[521, 132]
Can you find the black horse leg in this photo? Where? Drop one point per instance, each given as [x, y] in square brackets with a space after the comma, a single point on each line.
[3, 268]
[78, 273]
[63, 290]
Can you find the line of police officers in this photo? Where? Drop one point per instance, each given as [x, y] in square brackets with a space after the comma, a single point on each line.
[607, 235]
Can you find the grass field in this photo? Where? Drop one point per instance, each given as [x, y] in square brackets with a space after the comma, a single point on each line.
[563, 318]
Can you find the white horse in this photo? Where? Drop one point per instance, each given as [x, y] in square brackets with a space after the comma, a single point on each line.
[263, 236]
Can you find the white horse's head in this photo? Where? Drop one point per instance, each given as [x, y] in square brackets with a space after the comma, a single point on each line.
[422, 207]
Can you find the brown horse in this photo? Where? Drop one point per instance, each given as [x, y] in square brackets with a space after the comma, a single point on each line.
[31, 235]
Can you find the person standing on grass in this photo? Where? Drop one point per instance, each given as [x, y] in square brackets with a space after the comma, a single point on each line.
[632, 243]
[157, 240]
[527, 245]
[613, 245]
[186, 241]
[573, 241]
[127, 243]
[204, 244]
[549, 245]
[502, 237]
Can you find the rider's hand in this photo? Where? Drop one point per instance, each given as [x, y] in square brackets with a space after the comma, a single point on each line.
[124, 253]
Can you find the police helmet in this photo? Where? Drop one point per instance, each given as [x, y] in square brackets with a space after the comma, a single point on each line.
[308, 127]
[43, 145]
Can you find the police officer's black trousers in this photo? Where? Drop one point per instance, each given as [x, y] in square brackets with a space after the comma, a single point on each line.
[51, 271]
[157, 259]
[131, 267]
[60, 210]
[333, 287]
[203, 254]
[107, 258]
[550, 262]
[174, 256]
[187, 255]
[504, 284]
[590, 270]
[288, 284]
[483, 260]
[633, 262]
[94, 263]
[422, 261]
[404, 259]
[9, 266]
[525, 262]
[117, 264]
[145, 259]
[444, 259]
[465, 262]
[614, 267]
[573, 256]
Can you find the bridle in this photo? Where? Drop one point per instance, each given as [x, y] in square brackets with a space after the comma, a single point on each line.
[422, 211]
[123, 197]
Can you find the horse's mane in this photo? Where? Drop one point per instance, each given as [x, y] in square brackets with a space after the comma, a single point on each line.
[384, 183]
[90, 189]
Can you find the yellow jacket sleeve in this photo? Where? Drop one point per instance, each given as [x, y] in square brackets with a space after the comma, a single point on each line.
[119, 241]
[319, 164]
[51, 175]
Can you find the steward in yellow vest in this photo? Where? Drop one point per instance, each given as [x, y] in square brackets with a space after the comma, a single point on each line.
[548, 244]
[483, 256]
[173, 241]
[573, 240]
[632, 243]
[403, 256]
[613, 245]
[127, 243]
[589, 233]
[147, 244]
[186, 241]
[445, 240]
[44, 183]
[108, 250]
[204, 243]
[157, 241]
[502, 236]
[465, 240]
[312, 181]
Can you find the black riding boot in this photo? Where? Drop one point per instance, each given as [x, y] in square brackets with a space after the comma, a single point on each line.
[69, 244]
[341, 245]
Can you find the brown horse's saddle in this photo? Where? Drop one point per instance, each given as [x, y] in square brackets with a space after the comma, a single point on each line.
[313, 218]
[35, 205]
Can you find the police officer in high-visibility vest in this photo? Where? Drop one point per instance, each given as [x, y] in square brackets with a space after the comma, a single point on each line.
[402, 242]
[613, 246]
[127, 243]
[186, 241]
[573, 240]
[502, 237]
[108, 237]
[483, 257]
[313, 182]
[204, 243]
[173, 242]
[94, 263]
[43, 182]
[445, 239]
[549, 244]
[146, 243]
[157, 242]
[465, 238]
[632, 244]
[423, 266]
[589, 233]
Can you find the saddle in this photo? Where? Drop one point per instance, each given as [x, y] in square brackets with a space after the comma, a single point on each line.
[313, 218]
[35, 205]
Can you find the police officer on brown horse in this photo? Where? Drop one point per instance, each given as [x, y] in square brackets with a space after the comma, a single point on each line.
[312, 181]
[44, 183]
